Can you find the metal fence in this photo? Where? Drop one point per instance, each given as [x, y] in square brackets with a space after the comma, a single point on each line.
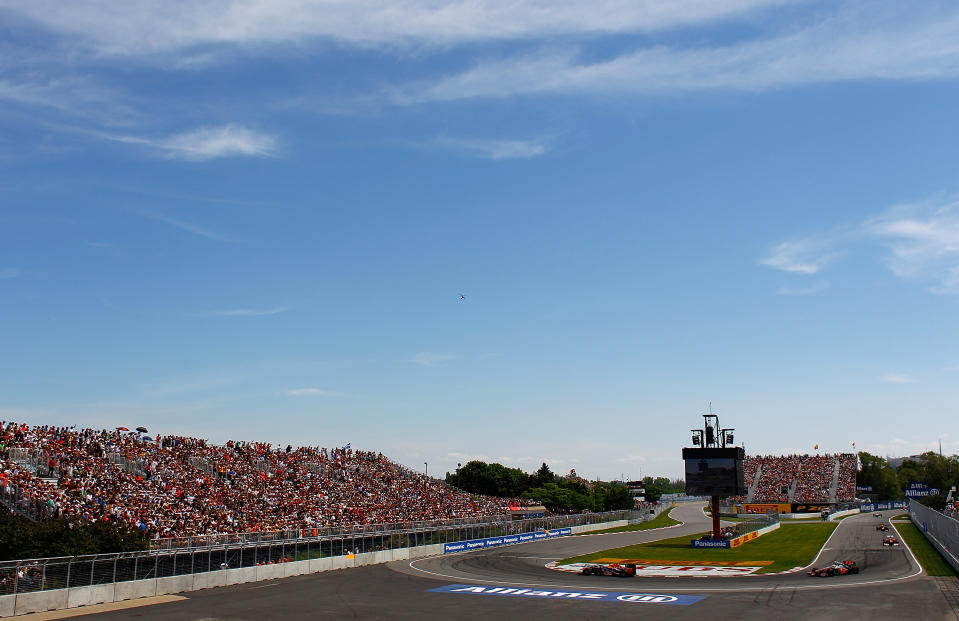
[941, 531]
[56, 573]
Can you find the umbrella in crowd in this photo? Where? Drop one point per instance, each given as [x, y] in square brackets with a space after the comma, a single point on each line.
[147, 439]
[142, 429]
[122, 429]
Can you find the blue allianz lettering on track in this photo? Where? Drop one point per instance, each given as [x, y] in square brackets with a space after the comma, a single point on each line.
[596, 596]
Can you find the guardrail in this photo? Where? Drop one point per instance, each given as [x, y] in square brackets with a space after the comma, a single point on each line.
[31, 575]
[942, 531]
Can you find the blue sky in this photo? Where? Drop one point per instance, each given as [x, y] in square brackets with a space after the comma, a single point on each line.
[254, 220]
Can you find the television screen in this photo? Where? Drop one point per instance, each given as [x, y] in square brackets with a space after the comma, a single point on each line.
[714, 472]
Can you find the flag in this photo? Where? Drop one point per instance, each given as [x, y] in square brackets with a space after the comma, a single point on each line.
[816, 448]
[347, 447]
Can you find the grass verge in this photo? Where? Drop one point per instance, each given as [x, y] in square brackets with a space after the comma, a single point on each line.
[786, 547]
[928, 556]
[659, 521]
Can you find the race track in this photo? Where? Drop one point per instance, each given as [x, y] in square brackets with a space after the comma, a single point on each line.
[890, 585]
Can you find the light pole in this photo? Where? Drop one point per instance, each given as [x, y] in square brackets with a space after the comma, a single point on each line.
[427, 468]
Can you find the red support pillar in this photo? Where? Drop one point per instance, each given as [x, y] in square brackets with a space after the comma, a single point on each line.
[717, 530]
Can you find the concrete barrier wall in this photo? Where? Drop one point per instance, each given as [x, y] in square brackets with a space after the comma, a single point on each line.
[42, 601]
[134, 589]
[8, 605]
[84, 596]
[588, 528]
[174, 584]
[87, 596]
[839, 514]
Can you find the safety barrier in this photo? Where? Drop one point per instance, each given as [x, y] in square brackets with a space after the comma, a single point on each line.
[49, 584]
[941, 531]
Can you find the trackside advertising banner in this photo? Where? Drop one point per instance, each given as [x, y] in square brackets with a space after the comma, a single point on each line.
[882, 506]
[596, 596]
[711, 543]
[492, 542]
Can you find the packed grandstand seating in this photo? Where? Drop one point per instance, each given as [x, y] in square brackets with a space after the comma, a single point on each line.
[800, 478]
[177, 486]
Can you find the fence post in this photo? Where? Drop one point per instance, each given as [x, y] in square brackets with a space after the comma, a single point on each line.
[69, 566]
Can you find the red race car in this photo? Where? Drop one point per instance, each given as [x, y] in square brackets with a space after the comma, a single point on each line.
[613, 569]
[839, 568]
[890, 541]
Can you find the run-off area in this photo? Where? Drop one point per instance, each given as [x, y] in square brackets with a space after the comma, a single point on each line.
[596, 596]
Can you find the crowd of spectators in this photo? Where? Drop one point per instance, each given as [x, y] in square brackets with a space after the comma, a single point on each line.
[178, 486]
[815, 478]
[812, 476]
[776, 477]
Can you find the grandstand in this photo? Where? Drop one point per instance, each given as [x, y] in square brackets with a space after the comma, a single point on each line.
[822, 479]
[180, 486]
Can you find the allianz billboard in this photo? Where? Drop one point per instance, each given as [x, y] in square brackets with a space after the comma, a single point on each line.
[918, 489]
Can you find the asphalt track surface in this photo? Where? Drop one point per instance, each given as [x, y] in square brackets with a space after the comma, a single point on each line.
[890, 586]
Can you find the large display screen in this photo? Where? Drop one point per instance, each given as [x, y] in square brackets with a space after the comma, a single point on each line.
[714, 472]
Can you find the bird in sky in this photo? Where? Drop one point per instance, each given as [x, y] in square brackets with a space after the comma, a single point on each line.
[462, 297]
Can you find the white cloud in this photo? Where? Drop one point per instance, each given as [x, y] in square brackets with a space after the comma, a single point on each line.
[71, 95]
[491, 148]
[898, 378]
[428, 359]
[310, 392]
[851, 45]
[184, 225]
[810, 290]
[207, 143]
[169, 26]
[247, 312]
[923, 239]
[9, 272]
[805, 256]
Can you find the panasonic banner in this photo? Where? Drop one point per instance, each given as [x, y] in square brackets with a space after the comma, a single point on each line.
[492, 542]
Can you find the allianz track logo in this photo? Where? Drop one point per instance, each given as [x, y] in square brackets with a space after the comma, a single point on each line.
[601, 596]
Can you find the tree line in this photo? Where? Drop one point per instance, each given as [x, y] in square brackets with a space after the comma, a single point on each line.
[558, 494]
[889, 483]
[20, 538]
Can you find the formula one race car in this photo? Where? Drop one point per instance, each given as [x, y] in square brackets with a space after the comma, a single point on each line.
[877, 514]
[839, 568]
[882, 527]
[613, 569]
[890, 541]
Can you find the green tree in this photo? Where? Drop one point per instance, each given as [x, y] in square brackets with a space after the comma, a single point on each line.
[875, 472]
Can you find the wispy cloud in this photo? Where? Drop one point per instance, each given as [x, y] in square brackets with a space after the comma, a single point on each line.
[427, 359]
[810, 290]
[804, 256]
[9, 272]
[206, 143]
[492, 149]
[179, 26]
[922, 241]
[898, 378]
[72, 96]
[310, 392]
[183, 225]
[247, 312]
[632, 459]
[853, 44]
